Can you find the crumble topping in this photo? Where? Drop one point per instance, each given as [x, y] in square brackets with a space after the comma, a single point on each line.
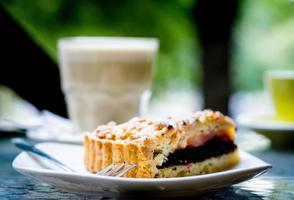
[141, 128]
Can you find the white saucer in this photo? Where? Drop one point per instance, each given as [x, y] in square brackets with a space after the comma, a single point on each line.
[83, 182]
[54, 128]
[45, 135]
[264, 123]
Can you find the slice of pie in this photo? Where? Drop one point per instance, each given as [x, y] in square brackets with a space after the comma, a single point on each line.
[200, 144]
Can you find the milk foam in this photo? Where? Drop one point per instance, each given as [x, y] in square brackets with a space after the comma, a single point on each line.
[92, 48]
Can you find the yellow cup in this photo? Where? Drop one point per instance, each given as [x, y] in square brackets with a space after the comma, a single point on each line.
[280, 84]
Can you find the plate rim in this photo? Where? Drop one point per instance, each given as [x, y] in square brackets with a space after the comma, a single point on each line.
[262, 168]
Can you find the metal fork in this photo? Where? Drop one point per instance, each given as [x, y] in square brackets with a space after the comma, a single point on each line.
[116, 170]
[111, 170]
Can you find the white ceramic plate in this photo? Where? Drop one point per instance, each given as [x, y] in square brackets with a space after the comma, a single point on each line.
[264, 123]
[86, 183]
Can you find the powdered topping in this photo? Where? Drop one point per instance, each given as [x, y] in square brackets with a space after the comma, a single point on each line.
[136, 128]
[141, 128]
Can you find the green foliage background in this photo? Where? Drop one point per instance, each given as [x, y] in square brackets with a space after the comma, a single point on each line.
[49, 20]
[263, 39]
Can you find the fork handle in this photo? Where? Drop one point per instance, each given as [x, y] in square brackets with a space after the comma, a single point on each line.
[24, 145]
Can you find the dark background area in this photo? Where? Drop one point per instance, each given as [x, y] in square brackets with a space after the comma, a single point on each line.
[27, 69]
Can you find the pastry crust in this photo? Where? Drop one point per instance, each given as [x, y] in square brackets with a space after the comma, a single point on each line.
[147, 143]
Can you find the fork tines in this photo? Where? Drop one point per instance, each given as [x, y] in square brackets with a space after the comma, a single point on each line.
[116, 170]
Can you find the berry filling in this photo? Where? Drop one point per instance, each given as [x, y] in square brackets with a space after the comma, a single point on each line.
[212, 148]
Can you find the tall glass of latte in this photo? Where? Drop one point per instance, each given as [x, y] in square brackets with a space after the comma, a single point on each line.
[103, 78]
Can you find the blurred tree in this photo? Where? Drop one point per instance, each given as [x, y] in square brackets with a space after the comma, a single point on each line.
[215, 21]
